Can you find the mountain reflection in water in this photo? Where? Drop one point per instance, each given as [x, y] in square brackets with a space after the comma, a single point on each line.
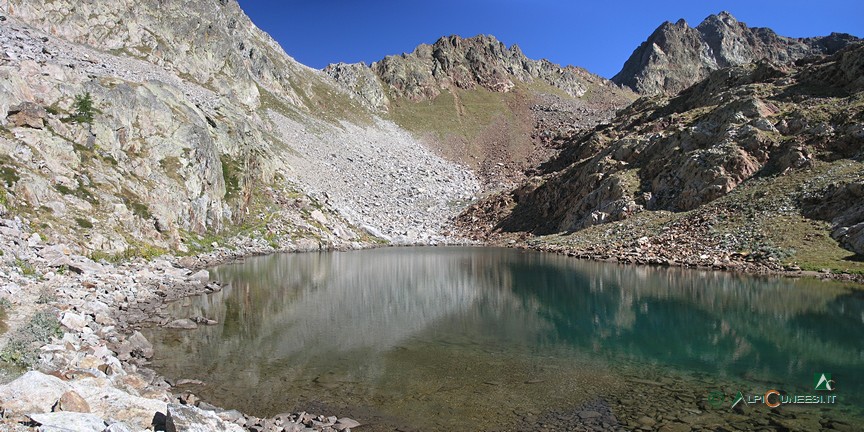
[382, 326]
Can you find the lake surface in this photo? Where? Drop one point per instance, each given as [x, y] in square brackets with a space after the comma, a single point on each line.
[503, 339]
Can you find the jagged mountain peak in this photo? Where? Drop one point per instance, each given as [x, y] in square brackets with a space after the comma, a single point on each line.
[456, 62]
[676, 56]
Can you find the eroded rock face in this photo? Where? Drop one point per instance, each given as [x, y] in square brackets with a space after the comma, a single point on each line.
[676, 55]
[361, 81]
[27, 114]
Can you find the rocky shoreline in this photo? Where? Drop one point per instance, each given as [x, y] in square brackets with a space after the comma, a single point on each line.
[74, 323]
[735, 264]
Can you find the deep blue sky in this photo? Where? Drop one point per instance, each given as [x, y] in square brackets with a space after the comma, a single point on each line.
[596, 35]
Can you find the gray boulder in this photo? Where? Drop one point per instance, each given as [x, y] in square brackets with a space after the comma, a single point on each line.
[33, 392]
[185, 418]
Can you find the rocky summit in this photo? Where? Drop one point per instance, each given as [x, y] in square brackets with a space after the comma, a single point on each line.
[677, 56]
[144, 141]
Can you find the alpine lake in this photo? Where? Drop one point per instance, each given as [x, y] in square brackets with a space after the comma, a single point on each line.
[474, 338]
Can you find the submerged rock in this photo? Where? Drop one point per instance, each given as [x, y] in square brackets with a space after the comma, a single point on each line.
[182, 324]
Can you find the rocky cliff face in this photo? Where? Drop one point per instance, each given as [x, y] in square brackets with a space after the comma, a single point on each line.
[757, 126]
[202, 125]
[676, 55]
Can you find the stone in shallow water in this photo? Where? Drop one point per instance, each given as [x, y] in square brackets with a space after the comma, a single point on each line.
[201, 277]
[68, 422]
[345, 423]
[182, 324]
[675, 427]
[589, 414]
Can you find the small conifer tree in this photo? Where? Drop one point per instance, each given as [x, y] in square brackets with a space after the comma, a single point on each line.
[84, 110]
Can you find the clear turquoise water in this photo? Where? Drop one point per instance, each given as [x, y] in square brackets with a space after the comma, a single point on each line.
[431, 338]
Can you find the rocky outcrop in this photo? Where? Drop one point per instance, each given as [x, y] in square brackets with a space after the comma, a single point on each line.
[679, 154]
[843, 206]
[676, 55]
[362, 83]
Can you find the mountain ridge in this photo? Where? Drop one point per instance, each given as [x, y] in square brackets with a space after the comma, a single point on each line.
[480, 103]
[676, 55]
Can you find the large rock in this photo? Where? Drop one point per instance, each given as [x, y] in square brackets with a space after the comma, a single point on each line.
[33, 392]
[139, 345]
[116, 405]
[185, 418]
[68, 422]
[27, 114]
[72, 402]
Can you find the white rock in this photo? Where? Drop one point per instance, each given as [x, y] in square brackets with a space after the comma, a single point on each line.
[68, 422]
[345, 423]
[185, 418]
[34, 240]
[319, 217]
[73, 321]
[202, 277]
[33, 392]
[119, 427]
[116, 405]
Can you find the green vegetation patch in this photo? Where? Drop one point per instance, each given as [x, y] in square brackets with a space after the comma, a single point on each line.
[81, 192]
[230, 173]
[133, 202]
[84, 109]
[23, 347]
[83, 223]
[171, 165]
[140, 250]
